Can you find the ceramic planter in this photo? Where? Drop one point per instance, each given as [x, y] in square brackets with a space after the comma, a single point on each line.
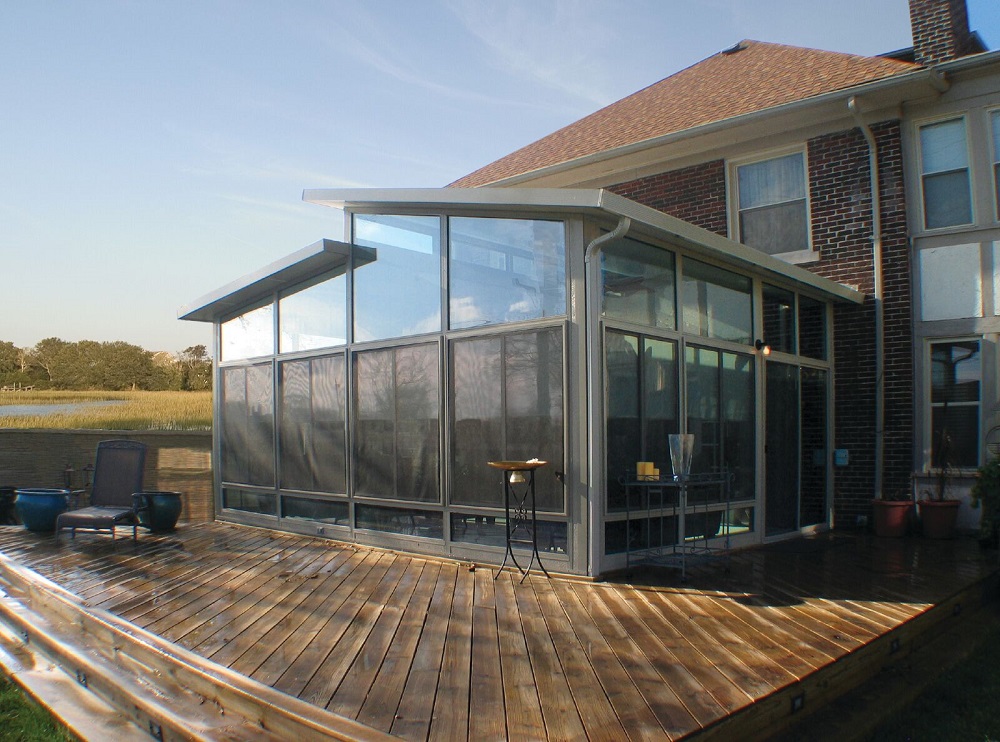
[937, 518]
[38, 507]
[891, 517]
[164, 508]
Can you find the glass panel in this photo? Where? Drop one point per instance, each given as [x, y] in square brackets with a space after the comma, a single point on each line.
[315, 317]
[779, 319]
[947, 200]
[776, 229]
[250, 335]
[703, 408]
[489, 530]
[772, 181]
[477, 423]
[313, 440]
[781, 449]
[659, 402]
[409, 522]
[942, 147]
[505, 270]
[716, 303]
[396, 441]
[956, 375]
[739, 429]
[639, 284]
[812, 504]
[624, 433]
[812, 328]
[398, 293]
[333, 512]
[995, 125]
[248, 426]
[264, 503]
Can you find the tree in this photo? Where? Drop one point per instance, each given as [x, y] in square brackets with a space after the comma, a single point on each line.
[196, 368]
[8, 357]
[126, 366]
[46, 353]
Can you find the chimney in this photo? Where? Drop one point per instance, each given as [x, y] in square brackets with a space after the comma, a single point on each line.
[940, 30]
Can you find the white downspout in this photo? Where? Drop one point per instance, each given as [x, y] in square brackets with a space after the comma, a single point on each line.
[595, 395]
[878, 293]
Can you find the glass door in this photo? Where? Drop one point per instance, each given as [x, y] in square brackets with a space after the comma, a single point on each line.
[781, 448]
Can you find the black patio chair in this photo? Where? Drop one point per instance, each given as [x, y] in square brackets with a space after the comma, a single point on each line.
[114, 498]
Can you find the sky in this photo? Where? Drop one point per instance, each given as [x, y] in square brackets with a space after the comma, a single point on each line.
[152, 152]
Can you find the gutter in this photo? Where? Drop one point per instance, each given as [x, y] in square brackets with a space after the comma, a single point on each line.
[877, 297]
[595, 399]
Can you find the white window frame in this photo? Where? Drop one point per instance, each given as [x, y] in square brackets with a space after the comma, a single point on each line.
[795, 256]
[991, 115]
[920, 126]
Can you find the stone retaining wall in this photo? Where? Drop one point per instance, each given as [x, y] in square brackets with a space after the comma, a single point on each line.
[175, 460]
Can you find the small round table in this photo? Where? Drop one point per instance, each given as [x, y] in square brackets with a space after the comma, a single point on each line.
[519, 511]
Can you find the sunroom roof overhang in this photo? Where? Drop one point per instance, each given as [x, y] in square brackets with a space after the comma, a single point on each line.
[598, 203]
[320, 257]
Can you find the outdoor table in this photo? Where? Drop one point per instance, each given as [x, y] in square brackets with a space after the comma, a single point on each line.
[519, 511]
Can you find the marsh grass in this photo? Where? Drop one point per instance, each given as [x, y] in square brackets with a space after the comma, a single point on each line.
[137, 411]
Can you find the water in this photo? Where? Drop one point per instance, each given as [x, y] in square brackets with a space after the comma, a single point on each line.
[21, 410]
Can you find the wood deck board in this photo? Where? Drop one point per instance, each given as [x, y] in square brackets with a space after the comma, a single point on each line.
[428, 649]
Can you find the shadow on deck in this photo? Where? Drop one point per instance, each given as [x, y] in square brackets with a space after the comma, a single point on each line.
[247, 633]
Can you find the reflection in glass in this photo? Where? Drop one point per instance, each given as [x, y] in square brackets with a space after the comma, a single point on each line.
[313, 440]
[716, 303]
[247, 448]
[264, 503]
[781, 448]
[397, 412]
[779, 319]
[399, 292]
[333, 512]
[406, 521]
[489, 530]
[812, 328]
[508, 405]
[812, 505]
[250, 335]
[505, 270]
[315, 317]
[638, 284]
[956, 375]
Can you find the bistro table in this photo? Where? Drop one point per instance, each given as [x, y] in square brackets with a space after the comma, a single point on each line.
[519, 511]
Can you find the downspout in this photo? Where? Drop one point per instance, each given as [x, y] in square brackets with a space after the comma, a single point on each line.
[594, 393]
[878, 293]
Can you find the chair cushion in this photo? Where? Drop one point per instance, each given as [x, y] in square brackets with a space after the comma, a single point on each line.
[95, 516]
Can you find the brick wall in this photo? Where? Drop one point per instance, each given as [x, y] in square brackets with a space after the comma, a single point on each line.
[940, 30]
[180, 461]
[695, 194]
[840, 198]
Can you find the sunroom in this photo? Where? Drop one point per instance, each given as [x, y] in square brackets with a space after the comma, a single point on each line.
[362, 386]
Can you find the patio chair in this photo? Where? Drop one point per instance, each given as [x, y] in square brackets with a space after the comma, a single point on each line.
[114, 498]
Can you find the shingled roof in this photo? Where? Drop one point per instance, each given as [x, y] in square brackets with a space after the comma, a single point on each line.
[750, 77]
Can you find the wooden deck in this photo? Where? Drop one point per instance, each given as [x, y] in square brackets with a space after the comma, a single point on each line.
[427, 649]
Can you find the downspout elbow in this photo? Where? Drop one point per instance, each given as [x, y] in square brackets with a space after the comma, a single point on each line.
[623, 226]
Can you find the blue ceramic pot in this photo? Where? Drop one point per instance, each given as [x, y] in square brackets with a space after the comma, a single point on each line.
[164, 510]
[38, 507]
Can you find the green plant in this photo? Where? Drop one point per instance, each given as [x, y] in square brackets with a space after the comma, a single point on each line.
[986, 490]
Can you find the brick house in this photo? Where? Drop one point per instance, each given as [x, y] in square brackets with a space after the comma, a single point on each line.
[776, 147]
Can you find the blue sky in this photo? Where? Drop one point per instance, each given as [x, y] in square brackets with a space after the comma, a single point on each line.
[151, 152]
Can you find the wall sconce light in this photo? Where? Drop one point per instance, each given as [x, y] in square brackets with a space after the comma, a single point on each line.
[762, 347]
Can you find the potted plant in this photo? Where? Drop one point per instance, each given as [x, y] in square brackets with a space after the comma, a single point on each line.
[986, 491]
[939, 513]
[892, 515]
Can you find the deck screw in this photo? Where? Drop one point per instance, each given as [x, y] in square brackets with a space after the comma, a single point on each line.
[893, 646]
[155, 730]
[798, 702]
[81, 678]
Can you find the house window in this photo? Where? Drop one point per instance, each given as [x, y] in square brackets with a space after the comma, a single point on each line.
[944, 167]
[249, 335]
[995, 127]
[956, 375]
[773, 208]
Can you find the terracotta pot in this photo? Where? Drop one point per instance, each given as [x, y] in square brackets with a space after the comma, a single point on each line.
[937, 518]
[891, 517]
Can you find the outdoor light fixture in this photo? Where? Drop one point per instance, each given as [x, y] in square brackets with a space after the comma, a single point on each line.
[763, 347]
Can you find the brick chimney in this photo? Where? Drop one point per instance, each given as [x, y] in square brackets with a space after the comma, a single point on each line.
[940, 30]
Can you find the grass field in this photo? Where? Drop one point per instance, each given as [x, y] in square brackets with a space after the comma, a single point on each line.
[134, 411]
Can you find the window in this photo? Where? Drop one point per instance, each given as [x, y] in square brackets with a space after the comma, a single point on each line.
[944, 167]
[507, 405]
[248, 425]
[398, 293]
[505, 270]
[396, 437]
[995, 128]
[250, 335]
[956, 374]
[638, 284]
[315, 317]
[716, 303]
[779, 319]
[773, 209]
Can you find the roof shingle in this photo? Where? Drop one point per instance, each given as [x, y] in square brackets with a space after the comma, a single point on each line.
[752, 76]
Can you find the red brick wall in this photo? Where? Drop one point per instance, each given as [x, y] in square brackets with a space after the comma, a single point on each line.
[940, 30]
[695, 194]
[840, 198]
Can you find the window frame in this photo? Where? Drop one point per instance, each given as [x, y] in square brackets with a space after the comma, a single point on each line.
[919, 127]
[809, 254]
[993, 120]
[929, 405]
